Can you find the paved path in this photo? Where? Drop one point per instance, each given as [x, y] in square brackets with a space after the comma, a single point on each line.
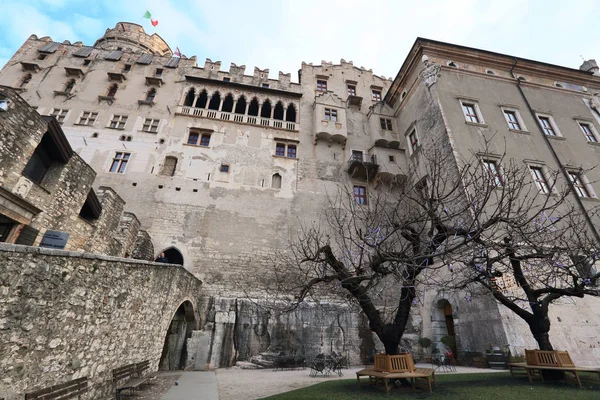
[194, 385]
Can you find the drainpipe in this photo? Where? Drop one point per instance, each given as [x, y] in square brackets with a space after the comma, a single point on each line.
[556, 158]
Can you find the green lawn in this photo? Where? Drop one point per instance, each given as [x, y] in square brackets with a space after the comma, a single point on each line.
[486, 386]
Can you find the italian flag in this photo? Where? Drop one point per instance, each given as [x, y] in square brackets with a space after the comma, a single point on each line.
[147, 15]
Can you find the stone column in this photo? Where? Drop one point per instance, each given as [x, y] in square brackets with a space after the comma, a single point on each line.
[272, 112]
[221, 104]
[195, 103]
[260, 109]
[247, 106]
[285, 113]
[234, 106]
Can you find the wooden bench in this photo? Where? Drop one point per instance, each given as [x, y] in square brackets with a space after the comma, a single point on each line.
[63, 391]
[539, 360]
[133, 373]
[394, 367]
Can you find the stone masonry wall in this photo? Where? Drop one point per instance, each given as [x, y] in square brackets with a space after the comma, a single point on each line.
[67, 315]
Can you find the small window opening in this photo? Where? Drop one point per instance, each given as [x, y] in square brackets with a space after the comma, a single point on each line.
[190, 97]
[253, 109]
[278, 112]
[265, 85]
[95, 134]
[161, 141]
[25, 80]
[276, 181]
[42, 160]
[122, 138]
[391, 158]
[266, 109]
[126, 67]
[129, 138]
[69, 86]
[224, 168]
[195, 190]
[452, 64]
[202, 100]
[160, 186]
[177, 189]
[228, 103]
[226, 79]
[240, 107]
[87, 62]
[42, 56]
[112, 90]
[290, 116]
[215, 101]
[151, 95]
[490, 72]
[159, 72]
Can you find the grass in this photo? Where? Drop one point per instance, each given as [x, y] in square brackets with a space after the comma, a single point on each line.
[496, 386]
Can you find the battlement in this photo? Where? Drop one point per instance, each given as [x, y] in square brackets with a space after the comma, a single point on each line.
[343, 65]
[127, 35]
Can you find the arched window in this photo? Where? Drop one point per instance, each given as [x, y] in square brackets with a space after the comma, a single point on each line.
[240, 107]
[290, 116]
[69, 86]
[202, 100]
[170, 256]
[276, 181]
[112, 91]
[228, 103]
[253, 109]
[168, 168]
[190, 97]
[150, 95]
[25, 80]
[215, 101]
[278, 113]
[266, 109]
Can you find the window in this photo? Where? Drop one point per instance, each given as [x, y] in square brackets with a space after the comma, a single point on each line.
[118, 122]
[413, 141]
[357, 155]
[88, 118]
[60, 114]
[226, 79]
[547, 125]
[158, 72]
[280, 150]
[169, 166]
[69, 86]
[276, 181]
[87, 62]
[471, 115]
[491, 167]
[511, 118]
[265, 85]
[537, 173]
[391, 158]
[150, 95]
[205, 139]
[351, 90]
[291, 153]
[150, 125]
[360, 195]
[25, 79]
[193, 138]
[112, 91]
[42, 56]
[126, 67]
[376, 94]
[578, 184]
[119, 162]
[321, 85]
[386, 124]
[224, 168]
[589, 132]
[331, 114]
[41, 160]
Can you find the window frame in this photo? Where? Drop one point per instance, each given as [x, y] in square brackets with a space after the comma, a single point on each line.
[413, 141]
[204, 139]
[193, 138]
[331, 114]
[376, 94]
[477, 114]
[224, 168]
[85, 120]
[117, 120]
[322, 85]
[592, 131]
[360, 195]
[150, 125]
[119, 162]
[386, 124]
[521, 127]
[540, 179]
[351, 89]
[581, 184]
[60, 114]
[553, 127]
[495, 174]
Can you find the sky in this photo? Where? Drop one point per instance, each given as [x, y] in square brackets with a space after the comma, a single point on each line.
[280, 34]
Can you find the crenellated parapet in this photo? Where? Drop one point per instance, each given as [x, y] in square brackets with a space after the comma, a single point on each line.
[132, 37]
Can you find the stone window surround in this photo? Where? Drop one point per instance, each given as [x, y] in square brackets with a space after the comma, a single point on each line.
[551, 184]
[360, 195]
[387, 122]
[412, 149]
[60, 114]
[200, 134]
[496, 160]
[330, 114]
[119, 161]
[590, 124]
[282, 148]
[248, 97]
[546, 115]
[87, 118]
[515, 110]
[118, 120]
[150, 123]
[583, 184]
[469, 101]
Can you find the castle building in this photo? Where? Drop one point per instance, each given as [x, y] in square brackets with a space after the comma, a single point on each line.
[221, 167]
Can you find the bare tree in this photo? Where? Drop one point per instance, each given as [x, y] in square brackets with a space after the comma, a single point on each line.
[377, 255]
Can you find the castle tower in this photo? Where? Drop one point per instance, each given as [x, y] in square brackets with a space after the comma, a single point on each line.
[132, 37]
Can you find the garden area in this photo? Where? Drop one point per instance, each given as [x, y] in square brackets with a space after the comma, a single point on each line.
[478, 386]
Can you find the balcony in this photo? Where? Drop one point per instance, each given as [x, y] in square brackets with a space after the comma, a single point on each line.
[238, 118]
[363, 166]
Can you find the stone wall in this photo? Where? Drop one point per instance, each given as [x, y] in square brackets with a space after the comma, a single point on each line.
[66, 315]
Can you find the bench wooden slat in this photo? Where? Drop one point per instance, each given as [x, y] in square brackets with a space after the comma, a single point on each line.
[63, 391]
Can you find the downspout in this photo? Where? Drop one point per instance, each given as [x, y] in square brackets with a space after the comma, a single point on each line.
[556, 158]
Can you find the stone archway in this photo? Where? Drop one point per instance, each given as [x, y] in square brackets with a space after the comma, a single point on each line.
[172, 255]
[175, 353]
[443, 323]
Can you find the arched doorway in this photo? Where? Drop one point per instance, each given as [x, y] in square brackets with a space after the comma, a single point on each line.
[443, 325]
[174, 355]
[172, 255]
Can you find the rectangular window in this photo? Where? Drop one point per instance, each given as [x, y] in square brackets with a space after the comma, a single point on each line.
[226, 79]
[540, 180]
[150, 125]
[357, 155]
[491, 167]
[511, 118]
[331, 114]
[470, 113]
[386, 124]
[59, 114]
[280, 150]
[360, 195]
[88, 118]
[291, 151]
[159, 72]
[321, 85]
[578, 184]
[118, 122]
[588, 131]
[224, 168]
[351, 90]
[119, 162]
[413, 141]
[391, 158]
[376, 94]
[265, 85]
[547, 126]
[126, 67]
[193, 138]
[205, 139]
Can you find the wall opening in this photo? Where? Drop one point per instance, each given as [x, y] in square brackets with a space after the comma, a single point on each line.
[190, 97]
[174, 353]
[172, 255]
[266, 109]
[228, 103]
[253, 109]
[443, 324]
[169, 166]
[215, 101]
[290, 116]
[240, 107]
[202, 100]
[276, 181]
[278, 112]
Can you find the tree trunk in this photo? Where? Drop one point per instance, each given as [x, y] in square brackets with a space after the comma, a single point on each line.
[540, 327]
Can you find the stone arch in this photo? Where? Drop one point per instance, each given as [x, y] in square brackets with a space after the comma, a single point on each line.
[240, 107]
[174, 355]
[189, 98]
[253, 109]
[276, 181]
[173, 255]
[444, 321]
[278, 112]
[228, 103]
[202, 99]
[290, 116]
[265, 112]
[215, 101]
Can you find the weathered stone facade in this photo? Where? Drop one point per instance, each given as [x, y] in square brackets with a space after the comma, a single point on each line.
[66, 315]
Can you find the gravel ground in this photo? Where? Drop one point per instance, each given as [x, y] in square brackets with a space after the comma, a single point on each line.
[243, 384]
